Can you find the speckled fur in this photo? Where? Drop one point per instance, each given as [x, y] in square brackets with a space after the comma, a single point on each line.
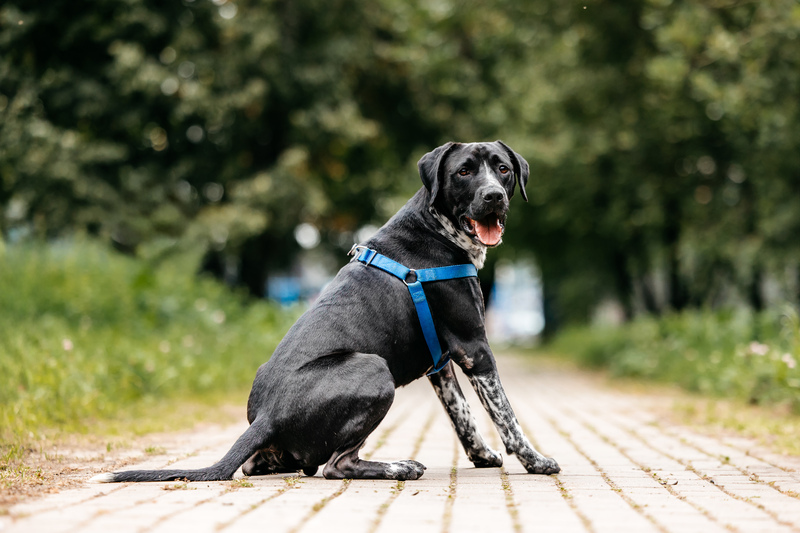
[494, 400]
[475, 250]
[449, 392]
[332, 378]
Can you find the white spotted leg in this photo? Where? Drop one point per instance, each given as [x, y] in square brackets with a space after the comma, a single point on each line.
[495, 401]
[452, 397]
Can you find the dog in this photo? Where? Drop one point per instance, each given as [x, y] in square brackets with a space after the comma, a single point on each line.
[332, 378]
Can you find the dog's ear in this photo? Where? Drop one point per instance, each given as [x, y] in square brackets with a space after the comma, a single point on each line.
[521, 168]
[431, 166]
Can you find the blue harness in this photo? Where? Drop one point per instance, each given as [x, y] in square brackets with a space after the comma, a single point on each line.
[414, 280]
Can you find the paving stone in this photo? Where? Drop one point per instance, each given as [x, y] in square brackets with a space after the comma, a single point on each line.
[623, 470]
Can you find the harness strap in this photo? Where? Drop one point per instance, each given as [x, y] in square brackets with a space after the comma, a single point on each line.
[414, 280]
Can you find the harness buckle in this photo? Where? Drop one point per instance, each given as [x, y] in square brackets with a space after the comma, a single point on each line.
[358, 249]
[411, 277]
[354, 251]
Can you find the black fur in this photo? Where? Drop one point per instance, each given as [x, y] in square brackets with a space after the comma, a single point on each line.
[332, 378]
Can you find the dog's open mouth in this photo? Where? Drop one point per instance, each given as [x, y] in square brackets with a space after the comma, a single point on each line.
[488, 230]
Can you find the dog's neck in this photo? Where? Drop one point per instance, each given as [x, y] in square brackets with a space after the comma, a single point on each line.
[475, 251]
[399, 238]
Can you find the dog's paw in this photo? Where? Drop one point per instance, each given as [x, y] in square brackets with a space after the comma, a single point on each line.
[543, 465]
[488, 459]
[405, 470]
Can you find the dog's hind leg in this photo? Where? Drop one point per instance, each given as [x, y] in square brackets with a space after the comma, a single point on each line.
[270, 461]
[345, 464]
[450, 394]
[368, 395]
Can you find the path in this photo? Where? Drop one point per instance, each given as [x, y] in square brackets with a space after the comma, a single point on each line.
[622, 470]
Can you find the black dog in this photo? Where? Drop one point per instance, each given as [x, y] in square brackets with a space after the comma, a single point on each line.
[332, 378]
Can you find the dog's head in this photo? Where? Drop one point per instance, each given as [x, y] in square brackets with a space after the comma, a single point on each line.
[471, 184]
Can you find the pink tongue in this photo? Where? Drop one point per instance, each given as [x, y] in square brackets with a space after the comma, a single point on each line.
[490, 233]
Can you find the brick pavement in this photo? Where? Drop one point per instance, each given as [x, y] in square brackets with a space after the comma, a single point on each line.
[623, 469]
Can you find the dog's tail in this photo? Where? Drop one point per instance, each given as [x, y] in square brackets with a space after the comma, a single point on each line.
[252, 440]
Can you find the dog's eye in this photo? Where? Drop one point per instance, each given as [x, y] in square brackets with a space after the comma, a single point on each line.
[463, 172]
[504, 169]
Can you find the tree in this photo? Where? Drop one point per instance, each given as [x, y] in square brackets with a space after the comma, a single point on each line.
[662, 135]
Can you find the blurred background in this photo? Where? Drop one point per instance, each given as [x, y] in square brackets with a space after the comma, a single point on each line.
[257, 141]
[662, 136]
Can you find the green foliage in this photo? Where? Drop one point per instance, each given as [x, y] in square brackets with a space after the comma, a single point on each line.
[663, 136]
[663, 141]
[86, 333]
[221, 121]
[742, 355]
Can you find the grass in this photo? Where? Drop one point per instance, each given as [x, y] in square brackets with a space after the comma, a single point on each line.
[155, 450]
[236, 484]
[179, 486]
[293, 482]
[772, 427]
[89, 337]
[737, 355]
[742, 370]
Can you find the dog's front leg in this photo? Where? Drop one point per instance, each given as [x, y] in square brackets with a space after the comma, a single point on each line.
[494, 400]
[447, 388]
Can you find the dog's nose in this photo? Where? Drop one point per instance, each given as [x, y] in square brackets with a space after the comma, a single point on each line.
[493, 197]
